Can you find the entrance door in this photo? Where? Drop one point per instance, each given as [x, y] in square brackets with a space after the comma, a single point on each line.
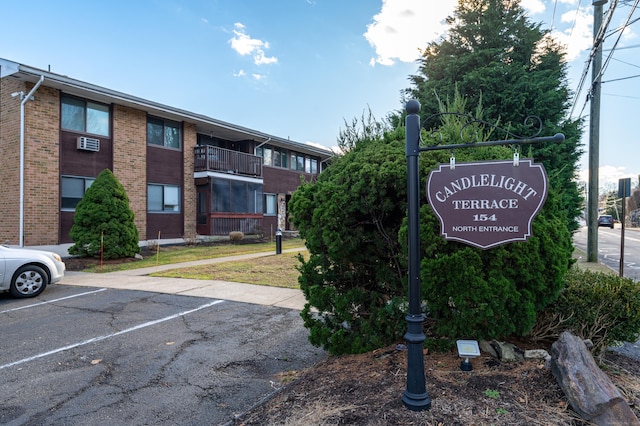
[203, 221]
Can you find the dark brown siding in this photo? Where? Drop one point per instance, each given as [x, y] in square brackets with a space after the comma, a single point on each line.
[77, 162]
[282, 181]
[165, 166]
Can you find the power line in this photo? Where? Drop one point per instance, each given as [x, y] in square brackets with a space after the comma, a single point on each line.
[621, 31]
[626, 63]
[575, 19]
[621, 78]
[621, 96]
[597, 41]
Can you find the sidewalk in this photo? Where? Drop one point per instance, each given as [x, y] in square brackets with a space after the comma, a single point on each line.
[138, 279]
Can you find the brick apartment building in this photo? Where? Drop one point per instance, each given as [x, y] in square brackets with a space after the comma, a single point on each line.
[185, 174]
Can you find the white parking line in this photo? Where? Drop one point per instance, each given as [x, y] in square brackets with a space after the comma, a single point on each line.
[54, 300]
[107, 336]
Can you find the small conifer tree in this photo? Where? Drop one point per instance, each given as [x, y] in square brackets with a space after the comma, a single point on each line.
[103, 218]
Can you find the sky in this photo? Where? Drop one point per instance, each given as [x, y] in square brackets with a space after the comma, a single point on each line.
[302, 69]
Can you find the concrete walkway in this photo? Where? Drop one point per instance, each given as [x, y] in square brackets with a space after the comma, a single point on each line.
[138, 279]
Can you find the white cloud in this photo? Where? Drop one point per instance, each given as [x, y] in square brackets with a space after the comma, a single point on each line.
[260, 59]
[578, 37]
[240, 73]
[608, 176]
[257, 76]
[533, 6]
[404, 26]
[245, 45]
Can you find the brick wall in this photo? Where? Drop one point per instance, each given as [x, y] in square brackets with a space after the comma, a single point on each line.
[42, 167]
[130, 162]
[190, 203]
[9, 160]
[41, 164]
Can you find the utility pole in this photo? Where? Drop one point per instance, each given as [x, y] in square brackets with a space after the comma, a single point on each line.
[594, 135]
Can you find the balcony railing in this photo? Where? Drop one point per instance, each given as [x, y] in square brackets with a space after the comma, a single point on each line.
[214, 159]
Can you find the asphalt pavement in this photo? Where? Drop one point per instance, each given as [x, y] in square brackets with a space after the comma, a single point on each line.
[149, 352]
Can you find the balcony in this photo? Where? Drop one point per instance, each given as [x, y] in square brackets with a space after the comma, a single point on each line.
[214, 159]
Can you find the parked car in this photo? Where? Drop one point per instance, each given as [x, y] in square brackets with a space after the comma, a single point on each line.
[27, 272]
[605, 220]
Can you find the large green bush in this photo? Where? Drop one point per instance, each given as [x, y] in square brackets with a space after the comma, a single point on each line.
[484, 294]
[355, 281]
[103, 218]
[350, 219]
[604, 308]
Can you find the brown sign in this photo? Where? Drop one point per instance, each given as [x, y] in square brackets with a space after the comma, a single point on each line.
[487, 204]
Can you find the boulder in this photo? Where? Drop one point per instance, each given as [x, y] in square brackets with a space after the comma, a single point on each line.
[589, 390]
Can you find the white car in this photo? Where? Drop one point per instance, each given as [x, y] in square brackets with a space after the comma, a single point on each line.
[26, 273]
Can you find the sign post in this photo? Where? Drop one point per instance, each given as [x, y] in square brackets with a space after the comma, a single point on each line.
[624, 191]
[415, 396]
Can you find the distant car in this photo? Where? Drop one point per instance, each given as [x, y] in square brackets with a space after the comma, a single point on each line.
[606, 220]
[27, 272]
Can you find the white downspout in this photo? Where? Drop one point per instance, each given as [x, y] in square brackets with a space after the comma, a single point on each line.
[256, 148]
[23, 101]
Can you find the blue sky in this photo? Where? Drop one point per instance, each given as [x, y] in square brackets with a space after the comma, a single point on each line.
[299, 68]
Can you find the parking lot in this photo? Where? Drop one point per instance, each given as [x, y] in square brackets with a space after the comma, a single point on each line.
[94, 355]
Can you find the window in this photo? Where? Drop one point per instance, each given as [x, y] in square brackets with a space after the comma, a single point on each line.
[163, 132]
[271, 156]
[266, 156]
[72, 190]
[304, 164]
[163, 198]
[236, 196]
[83, 116]
[310, 165]
[270, 204]
[297, 162]
[280, 158]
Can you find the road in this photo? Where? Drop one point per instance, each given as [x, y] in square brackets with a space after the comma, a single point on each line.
[609, 248]
[609, 254]
[98, 356]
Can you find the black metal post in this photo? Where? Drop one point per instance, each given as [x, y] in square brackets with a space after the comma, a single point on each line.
[278, 241]
[415, 397]
[624, 215]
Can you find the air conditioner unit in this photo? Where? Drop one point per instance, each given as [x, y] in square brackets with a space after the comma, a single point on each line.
[88, 144]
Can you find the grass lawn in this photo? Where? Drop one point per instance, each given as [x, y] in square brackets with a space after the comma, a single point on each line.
[275, 270]
[166, 255]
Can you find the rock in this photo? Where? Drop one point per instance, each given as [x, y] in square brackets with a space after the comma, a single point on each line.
[507, 352]
[589, 390]
[485, 346]
[536, 354]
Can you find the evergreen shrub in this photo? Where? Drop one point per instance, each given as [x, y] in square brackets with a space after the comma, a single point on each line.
[354, 277]
[604, 308]
[353, 220]
[103, 218]
[494, 293]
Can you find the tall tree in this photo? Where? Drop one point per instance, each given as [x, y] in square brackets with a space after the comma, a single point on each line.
[495, 57]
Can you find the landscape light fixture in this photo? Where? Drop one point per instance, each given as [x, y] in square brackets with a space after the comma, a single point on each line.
[467, 349]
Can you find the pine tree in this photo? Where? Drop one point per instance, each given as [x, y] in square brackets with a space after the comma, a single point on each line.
[496, 58]
[103, 218]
